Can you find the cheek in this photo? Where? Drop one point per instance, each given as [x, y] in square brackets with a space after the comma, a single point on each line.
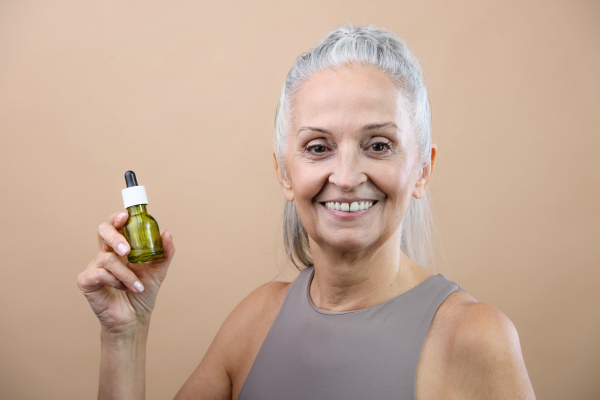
[395, 181]
[307, 181]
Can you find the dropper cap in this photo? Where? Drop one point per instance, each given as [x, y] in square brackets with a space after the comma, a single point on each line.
[133, 195]
[130, 179]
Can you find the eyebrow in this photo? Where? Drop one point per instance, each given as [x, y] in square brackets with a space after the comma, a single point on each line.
[365, 128]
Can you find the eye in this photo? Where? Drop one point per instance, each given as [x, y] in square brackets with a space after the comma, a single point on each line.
[316, 148]
[381, 146]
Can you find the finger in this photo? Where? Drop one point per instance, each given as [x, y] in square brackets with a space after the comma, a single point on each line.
[168, 248]
[118, 219]
[115, 266]
[110, 279]
[110, 239]
[94, 278]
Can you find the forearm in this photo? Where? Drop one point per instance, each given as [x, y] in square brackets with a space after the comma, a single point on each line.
[123, 364]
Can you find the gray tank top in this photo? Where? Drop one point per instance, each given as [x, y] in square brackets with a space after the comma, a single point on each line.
[313, 354]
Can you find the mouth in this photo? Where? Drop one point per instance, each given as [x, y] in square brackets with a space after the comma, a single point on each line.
[355, 206]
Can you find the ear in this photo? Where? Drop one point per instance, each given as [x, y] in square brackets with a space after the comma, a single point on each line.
[425, 175]
[284, 181]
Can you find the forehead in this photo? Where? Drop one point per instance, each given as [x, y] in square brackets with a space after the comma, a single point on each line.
[349, 97]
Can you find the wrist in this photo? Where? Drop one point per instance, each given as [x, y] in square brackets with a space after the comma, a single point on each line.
[129, 331]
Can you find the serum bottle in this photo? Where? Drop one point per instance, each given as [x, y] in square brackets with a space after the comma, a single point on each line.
[140, 230]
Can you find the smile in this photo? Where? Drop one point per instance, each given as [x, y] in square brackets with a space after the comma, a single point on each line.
[349, 207]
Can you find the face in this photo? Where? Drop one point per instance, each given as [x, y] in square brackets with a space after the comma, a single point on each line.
[352, 160]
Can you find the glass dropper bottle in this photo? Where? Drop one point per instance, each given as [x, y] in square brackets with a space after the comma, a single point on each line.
[140, 230]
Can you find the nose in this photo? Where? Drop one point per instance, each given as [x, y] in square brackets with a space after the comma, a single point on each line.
[347, 173]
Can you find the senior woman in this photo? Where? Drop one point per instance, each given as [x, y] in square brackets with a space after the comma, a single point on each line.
[365, 319]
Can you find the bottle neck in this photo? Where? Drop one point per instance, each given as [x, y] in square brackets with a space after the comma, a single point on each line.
[137, 209]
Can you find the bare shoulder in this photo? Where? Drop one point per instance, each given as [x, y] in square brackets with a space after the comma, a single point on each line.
[265, 299]
[483, 352]
[482, 333]
[245, 329]
[223, 369]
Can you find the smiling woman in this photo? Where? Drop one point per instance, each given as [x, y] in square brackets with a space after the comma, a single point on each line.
[354, 143]
[365, 318]
[384, 51]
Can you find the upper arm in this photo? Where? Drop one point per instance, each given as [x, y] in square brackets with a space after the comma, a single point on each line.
[234, 345]
[485, 357]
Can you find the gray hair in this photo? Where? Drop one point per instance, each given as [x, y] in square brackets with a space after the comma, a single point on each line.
[366, 45]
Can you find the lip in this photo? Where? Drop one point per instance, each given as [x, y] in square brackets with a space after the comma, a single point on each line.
[347, 216]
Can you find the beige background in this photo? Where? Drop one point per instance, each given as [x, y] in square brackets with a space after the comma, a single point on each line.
[184, 93]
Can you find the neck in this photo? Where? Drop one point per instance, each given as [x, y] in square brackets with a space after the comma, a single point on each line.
[346, 281]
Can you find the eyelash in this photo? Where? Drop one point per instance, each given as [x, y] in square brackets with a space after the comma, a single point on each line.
[312, 147]
[387, 144]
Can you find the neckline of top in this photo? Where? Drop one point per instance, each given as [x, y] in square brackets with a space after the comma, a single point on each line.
[326, 312]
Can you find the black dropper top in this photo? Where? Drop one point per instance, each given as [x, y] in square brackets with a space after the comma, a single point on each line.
[130, 179]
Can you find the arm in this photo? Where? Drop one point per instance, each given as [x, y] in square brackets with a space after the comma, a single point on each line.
[485, 357]
[122, 295]
[111, 285]
[123, 364]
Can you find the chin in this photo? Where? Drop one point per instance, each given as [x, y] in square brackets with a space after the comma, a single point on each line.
[347, 242]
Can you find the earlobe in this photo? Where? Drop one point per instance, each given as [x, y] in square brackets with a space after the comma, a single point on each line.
[287, 187]
[284, 181]
[425, 175]
[420, 185]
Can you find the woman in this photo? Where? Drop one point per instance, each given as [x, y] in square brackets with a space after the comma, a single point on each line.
[365, 318]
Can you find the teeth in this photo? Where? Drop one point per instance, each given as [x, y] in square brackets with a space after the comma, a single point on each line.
[349, 207]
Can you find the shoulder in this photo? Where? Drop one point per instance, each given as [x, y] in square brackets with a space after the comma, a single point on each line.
[481, 331]
[484, 352]
[259, 304]
[255, 312]
[244, 331]
[225, 365]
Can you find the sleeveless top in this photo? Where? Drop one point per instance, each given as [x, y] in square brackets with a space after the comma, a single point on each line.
[313, 354]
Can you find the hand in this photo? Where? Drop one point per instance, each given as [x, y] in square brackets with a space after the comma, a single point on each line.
[122, 294]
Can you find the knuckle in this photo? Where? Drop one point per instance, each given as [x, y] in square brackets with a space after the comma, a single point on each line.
[102, 227]
[107, 258]
[80, 279]
[117, 238]
[97, 277]
[83, 279]
[111, 258]
[101, 260]
[92, 264]
[108, 232]
[129, 275]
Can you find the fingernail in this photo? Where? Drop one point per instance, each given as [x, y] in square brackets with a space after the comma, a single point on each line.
[138, 286]
[122, 215]
[122, 248]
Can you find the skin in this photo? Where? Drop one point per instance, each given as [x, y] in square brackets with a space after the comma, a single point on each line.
[350, 139]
